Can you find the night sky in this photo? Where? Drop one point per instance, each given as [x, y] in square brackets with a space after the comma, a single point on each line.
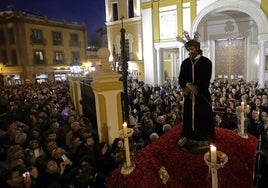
[90, 12]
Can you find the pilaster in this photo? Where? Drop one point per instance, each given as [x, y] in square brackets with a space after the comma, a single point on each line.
[107, 89]
[75, 92]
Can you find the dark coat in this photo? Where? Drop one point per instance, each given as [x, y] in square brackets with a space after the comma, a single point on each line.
[203, 119]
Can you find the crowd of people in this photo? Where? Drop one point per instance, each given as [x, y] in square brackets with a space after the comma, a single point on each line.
[45, 143]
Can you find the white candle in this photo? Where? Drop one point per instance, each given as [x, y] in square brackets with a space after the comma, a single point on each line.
[126, 145]
[243, 105]
[125, 128]
[213, 154]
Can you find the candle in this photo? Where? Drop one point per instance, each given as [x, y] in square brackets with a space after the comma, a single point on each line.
[243, 105]
[126, 145]
[125, 128]
[214, 173]
[213, 154]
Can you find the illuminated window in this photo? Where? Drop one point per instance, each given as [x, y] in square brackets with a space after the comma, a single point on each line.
[39, 57]
[58, 57]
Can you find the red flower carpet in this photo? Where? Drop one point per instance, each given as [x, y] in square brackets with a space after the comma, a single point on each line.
[188, 170]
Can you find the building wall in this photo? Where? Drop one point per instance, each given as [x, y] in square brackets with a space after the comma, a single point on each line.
[133, 33]
[26, 67]
[168, 18]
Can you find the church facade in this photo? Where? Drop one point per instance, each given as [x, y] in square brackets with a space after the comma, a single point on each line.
[233, 34]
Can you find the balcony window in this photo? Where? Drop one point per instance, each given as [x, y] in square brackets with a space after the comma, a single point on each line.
[75, 58]
[57, 38]
[58, 57]
[2, 37]
[3, 57]
[37, 36]
[115, 11]
[39, 57]
[11, 36]
[14, 59]
[130, 9]
[74, 40]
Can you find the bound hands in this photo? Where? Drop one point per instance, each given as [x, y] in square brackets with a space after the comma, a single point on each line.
[190, 87]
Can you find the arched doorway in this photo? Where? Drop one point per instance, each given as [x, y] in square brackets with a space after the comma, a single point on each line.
[248, 22]
[230, 58]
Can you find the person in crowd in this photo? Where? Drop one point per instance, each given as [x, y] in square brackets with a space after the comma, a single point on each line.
[104, 161]
[154, 136]
[148, 129]
[75, 131]
[166, 128]
[117, 151]
[76, 147]
[16, 177]
[49, 108]
[194, 79]
[89, 149]
[256, 126]
[229, 119]
[218, 119]
[54, 174]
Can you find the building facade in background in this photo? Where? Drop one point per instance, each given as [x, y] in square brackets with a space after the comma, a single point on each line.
[125, 14]
[34, 49]
[233, 34]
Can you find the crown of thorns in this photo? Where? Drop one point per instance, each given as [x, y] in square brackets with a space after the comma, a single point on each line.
[187, 37]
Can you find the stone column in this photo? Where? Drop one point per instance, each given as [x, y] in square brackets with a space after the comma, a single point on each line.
[107, 89]
[261, 71]
[160, 66]
[175, 64]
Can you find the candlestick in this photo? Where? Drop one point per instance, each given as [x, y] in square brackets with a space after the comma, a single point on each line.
[215, 160]
[214, 178]
[128, 166]
[128, 162]
[242, 119]
[241, 110]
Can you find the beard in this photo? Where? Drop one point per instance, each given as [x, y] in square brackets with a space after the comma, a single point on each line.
[193, 55]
